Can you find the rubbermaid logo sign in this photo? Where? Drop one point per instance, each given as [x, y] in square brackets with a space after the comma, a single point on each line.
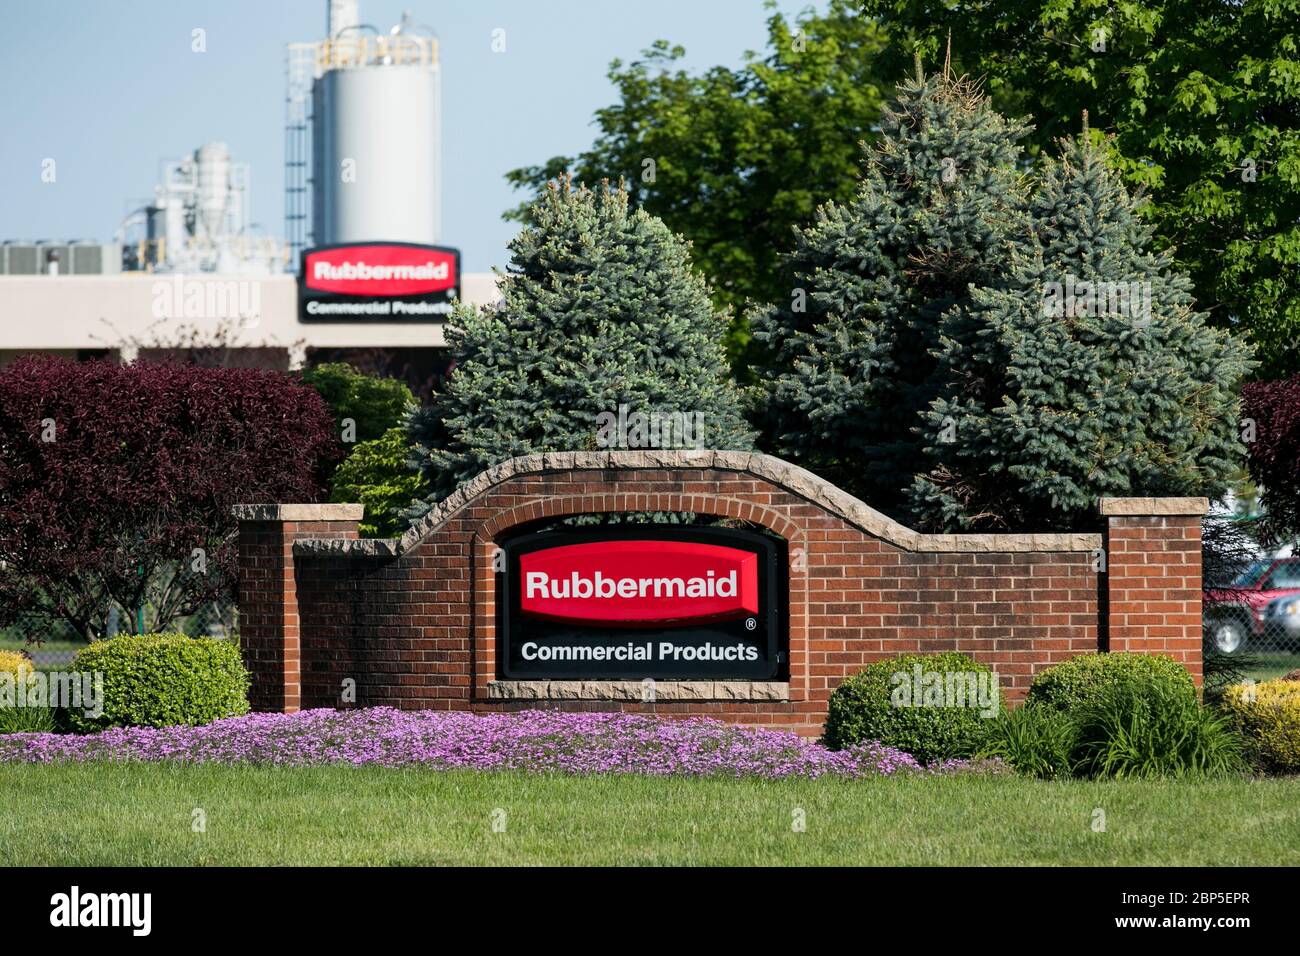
[639, 583]
[634, 603]
[378, 269]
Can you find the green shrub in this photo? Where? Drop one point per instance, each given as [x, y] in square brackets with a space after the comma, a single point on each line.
[1268, 717]
[870, 706]
[1035, 740]
[376, 475]
[160, 680]
[374, 403]
[14, 662]
[1082, 681]
[28, 720]
[1115, 715]
[1152, 730]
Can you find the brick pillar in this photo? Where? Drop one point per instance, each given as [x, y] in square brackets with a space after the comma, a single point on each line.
[1153, 578]
[268, 596]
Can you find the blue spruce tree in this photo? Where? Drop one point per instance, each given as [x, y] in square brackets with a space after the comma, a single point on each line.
[850, 371]
[1086, 372]
[600, 310]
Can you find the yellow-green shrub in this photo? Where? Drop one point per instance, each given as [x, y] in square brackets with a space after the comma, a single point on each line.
[1268, 716]
[12, 662]
[22, 720]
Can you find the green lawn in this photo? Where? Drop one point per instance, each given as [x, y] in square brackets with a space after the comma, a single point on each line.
[18, 644]
[1272, 664]
[140, 815]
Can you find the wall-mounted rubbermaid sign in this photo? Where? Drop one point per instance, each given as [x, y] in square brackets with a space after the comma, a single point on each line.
[378, 282]
[633, 602]
[638, 583]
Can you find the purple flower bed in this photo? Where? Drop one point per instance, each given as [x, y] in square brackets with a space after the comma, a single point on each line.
[539, 740]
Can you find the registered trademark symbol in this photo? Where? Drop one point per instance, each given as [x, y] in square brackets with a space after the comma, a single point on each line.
[750, 624]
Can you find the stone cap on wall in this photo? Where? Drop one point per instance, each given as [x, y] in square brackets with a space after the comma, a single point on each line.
[635, 690]
[1153, 507]
[798, 481]
[316, 512]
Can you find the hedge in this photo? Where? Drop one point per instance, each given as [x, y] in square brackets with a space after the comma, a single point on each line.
[162, 680]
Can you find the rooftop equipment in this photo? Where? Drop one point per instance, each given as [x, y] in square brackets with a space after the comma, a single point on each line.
[198, 220]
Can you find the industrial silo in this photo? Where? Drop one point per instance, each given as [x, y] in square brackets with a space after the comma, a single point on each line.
[216, 205]
[375, 136]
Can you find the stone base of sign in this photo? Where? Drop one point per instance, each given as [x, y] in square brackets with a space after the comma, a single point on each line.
[635, 690]
[328, 620]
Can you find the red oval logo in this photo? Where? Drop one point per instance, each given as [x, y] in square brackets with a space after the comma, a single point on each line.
[380, 269]
[639, 583]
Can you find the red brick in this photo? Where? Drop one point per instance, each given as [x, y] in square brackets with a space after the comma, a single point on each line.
[418, 631]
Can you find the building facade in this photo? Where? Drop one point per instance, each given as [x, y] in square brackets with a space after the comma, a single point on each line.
[234, 320]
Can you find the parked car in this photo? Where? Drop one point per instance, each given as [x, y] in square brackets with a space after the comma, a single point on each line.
[1283, 617]
[1251, 610]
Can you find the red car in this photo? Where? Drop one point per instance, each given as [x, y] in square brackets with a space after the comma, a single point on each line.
[1234, 615]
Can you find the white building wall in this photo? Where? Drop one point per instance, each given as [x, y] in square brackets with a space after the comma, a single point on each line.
[67, 313]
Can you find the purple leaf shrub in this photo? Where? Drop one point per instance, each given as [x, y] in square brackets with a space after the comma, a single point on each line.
[110, 475]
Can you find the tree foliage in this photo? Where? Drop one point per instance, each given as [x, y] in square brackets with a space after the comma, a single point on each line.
[849, 367]
[1201, 98]
[374, 403]
[734, 159]
[983, 350]
[1085, 372]
[600, 309]
[1271, 411]
[117, 482]
[375, 473]
[378, 474]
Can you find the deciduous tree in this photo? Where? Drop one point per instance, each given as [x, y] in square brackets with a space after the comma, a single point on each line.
[117, 482]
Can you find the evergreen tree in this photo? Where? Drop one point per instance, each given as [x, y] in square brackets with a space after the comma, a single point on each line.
[1201, 99]
[600, 310]
[1087, 373]
[849, 370]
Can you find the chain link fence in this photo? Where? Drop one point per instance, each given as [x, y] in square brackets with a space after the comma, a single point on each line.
[55, 643]
[1251, 605]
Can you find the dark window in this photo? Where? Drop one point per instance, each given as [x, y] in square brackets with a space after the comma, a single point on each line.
[1285, 575]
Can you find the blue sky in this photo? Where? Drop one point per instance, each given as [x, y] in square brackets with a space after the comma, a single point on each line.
[109, 88]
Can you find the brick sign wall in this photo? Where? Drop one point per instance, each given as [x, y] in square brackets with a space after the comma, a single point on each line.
[329, 620]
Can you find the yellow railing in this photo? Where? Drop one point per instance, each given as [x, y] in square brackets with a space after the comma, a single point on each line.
[367, 50]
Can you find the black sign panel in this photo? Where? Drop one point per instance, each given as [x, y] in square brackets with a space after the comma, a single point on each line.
[378, 282]
[648, 601]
